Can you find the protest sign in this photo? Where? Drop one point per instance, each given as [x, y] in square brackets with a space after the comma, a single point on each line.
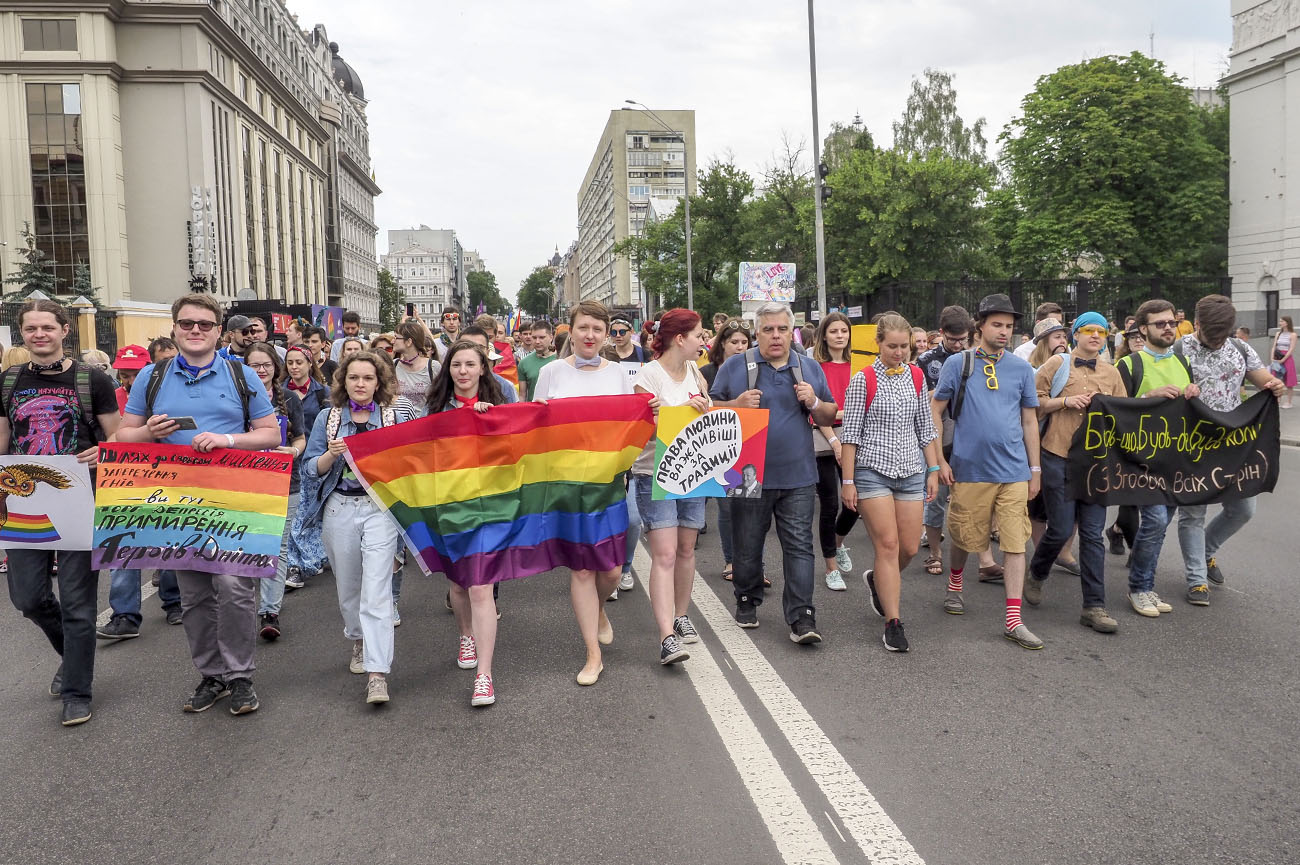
[766, 280]
[863, 349]
[46, 503]
[1174, 451]
[169, 506]
[718, 453]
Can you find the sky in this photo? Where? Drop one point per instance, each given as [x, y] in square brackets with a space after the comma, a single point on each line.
[484, 115]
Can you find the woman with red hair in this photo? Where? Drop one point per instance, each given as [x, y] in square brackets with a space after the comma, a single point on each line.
[671, 526]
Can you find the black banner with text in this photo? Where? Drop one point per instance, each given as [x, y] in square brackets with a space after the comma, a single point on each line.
[1174, 451]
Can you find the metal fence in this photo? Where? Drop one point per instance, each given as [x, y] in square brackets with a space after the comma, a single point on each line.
[9, 319]
[921, 301]
[106, 332]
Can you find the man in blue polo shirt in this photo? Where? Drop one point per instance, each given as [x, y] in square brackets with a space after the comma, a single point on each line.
[792, 388]
[219, 610]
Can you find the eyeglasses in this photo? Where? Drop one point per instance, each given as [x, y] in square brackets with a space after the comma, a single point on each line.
[451, 315]
[622, 331]
[1092, 330]
[261, 367]
[955, 340]
[191, 324]
[991, 372]
[1163, 324]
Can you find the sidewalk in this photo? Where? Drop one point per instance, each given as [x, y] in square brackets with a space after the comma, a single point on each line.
[1290, 425]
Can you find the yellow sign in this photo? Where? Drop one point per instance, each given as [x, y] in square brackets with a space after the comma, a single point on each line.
[863, 349]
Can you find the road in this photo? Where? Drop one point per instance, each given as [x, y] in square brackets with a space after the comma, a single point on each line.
[1172, 741]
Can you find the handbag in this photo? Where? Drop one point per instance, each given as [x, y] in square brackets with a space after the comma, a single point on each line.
[1278, 354]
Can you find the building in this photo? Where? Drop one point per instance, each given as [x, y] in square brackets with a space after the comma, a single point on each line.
[185, 143]
[424, 276]
[1264, 225]
[637, 158]
[435, 239]
[474, 262]
[567, 282]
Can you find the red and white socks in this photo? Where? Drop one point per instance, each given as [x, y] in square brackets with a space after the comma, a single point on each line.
[954, 579]
[1013, 614]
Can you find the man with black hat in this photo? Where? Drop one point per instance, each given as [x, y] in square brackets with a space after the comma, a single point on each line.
[240, 328]
[994, 467]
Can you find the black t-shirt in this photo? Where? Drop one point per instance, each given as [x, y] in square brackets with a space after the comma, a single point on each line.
[44, 414]
[328, 368]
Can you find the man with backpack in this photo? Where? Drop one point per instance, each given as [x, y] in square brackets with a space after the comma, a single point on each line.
[994, 467]
[56, 405]
[230, 409]
[792, 388]
[1066, 384]
[1219, 363]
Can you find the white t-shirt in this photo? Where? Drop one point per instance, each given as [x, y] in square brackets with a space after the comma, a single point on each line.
[1024, 351]
[413, 381]
[655, 379]
[561, 379]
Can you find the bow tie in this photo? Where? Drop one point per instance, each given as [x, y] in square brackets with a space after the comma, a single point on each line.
[356, 406]
[984, 355]
[47, 367]
[306, 386]
[583, 363]
[1090, 364]
[896, 370]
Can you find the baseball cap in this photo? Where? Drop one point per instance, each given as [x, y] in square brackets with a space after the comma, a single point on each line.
[238, 322]
[131, 357]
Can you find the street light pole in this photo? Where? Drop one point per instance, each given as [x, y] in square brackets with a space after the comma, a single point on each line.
[817, 158]
[686, 190]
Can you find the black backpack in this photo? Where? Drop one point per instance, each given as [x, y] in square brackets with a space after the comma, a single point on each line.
[85, 401]
[236, 371]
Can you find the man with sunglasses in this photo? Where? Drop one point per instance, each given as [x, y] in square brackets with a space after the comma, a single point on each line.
[994, 467]
[450, 323]
[241, 337]
[220, 610]
[623, 348]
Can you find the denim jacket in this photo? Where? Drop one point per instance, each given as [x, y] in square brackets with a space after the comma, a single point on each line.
[316, 488]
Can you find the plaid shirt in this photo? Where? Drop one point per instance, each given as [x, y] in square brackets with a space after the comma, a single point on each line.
[891, 433]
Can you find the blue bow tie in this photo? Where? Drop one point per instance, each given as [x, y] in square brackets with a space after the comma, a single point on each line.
[583, 363]
[1090, 364]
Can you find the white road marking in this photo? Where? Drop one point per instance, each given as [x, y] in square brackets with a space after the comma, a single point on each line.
[147, 592]
[831, 820]
[793, 829]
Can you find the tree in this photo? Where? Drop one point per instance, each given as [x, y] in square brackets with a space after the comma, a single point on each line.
[483, 289]
[537, 292]
[931, 122]
[392, 303]
[780, 218]
[33, 273]
[844, 138]
[82, 286]
[1109, 163]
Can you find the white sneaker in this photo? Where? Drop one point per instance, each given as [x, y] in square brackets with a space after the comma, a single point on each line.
[357, 663]
[835, 581]
[613, 596]
[626, 583]
[1143, 605]
[842, 560]
[1160, 605]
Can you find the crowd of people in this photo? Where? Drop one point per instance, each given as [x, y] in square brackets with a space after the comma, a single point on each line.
[951, 431]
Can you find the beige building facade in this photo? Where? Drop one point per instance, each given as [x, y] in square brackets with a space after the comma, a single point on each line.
[638, 158]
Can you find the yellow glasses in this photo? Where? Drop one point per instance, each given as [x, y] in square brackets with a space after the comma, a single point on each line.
[991, 371]
[1092, 330]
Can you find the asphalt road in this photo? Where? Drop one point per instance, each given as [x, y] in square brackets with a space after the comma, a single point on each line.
[1171, 741]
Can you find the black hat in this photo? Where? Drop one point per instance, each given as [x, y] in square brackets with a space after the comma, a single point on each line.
[238, 322]
[996, 303]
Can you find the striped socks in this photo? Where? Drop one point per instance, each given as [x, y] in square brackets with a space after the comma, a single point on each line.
[1013, 613]
[954, 579]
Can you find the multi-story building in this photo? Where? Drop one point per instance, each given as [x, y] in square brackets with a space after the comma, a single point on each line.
[474, 262]
[425, 277]
[638, 158]
[1264, 222]
[434, 239]
[185, 143]
[567, 281]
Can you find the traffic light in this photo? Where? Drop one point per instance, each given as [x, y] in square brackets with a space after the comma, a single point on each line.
[826, 194]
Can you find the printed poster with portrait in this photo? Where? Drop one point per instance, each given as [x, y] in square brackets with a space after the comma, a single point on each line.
[46, 503]
[761, 281]
[718, 453]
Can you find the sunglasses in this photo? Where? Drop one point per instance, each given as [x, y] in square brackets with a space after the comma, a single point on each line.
[1092, 330]
[451, 315]
[191, 324]
[620, 331]
[1163, 324]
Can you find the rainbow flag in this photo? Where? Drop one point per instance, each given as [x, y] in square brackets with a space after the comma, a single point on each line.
[514, 491]
[27, 529]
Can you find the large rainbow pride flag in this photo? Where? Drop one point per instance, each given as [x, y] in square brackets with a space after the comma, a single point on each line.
[514, 491]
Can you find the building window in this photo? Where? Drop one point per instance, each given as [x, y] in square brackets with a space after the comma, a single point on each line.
[60, 221]
[638, 142]
[638, 190]
[49, 34]
[243, 87]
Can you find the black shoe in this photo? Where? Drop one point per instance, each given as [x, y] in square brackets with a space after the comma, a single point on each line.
[1116, 538]
[293, 579]
[75, 712]
[118, 628]
[671, 651]
[270, 626]
[56, 684]
[242, 697]
[895, 639]
[174, 615]
[746, 613]
[804, 630]
[875, 597]
[209, 691]
[1212, 571]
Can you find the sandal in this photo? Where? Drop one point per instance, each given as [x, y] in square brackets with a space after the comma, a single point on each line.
[727, 572]
[934, 566]
[991, 574]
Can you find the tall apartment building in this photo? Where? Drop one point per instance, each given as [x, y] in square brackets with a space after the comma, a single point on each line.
[636, 159]
[436, 239]
[474, 262]
[567, 282]
[185, 143]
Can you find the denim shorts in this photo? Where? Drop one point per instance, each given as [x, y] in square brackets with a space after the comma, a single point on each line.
[687, 513]
[873, 485]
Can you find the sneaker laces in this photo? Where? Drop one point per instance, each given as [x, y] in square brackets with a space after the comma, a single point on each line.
[467, 647]
[482, 685]
[684, 627]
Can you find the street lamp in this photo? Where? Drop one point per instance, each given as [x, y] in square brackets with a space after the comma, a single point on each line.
[686, 189]
[817, 158]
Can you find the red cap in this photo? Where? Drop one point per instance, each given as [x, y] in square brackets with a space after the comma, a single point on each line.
[131, 357]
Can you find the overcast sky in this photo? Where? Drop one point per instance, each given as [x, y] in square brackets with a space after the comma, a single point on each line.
[484, 114]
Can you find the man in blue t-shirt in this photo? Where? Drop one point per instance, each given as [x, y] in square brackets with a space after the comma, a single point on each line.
[219, 610]
[790, 472]
[994, 468]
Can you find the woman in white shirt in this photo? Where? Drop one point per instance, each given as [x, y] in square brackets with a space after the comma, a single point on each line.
[671, 526]
[586, 373]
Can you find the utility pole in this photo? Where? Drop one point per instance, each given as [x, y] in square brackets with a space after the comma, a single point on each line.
[817, 158]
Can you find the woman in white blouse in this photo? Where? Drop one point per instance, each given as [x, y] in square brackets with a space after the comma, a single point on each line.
[586, 373]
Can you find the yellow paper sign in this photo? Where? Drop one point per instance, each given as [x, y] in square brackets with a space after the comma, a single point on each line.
[863, 349]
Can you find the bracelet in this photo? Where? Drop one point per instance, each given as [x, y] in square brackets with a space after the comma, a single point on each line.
[230, 440]
[932, 469]
[845, 483]
[1035, 468]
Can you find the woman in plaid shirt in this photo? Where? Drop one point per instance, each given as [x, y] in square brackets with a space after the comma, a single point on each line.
[889, 464]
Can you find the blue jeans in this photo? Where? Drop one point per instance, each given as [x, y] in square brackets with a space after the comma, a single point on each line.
[68, 621]
[750, 521]
[1200, 542]
[1063, 514]
[724, 528]
[124, 592]
[935, 511]
[633, 525]
[1152, 522]
[271, 591]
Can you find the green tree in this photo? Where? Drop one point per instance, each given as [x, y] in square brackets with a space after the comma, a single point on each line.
[537, 292]
[392, 303]
[780, 217]
[33, 272]
[83, 286]
[931, 122]
[483, 289]
[1109, 162]
[843, 138]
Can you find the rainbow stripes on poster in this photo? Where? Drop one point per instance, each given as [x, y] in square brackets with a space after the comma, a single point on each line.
[27, 529]
[514, 491]
[169, 506]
